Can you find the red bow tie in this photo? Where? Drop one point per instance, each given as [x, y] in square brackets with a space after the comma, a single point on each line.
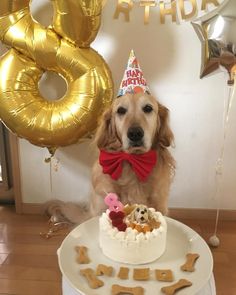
[142, 164]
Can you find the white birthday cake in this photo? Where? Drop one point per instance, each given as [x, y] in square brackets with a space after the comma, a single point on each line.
[131, 234]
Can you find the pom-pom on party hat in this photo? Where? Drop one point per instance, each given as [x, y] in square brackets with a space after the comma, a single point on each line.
[133, 80]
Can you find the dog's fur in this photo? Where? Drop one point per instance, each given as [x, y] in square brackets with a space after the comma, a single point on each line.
[111, 136]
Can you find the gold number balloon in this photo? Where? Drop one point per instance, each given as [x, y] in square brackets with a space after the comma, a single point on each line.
[64, 49]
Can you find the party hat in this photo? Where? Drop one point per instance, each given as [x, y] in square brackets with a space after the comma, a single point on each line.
[133, 80]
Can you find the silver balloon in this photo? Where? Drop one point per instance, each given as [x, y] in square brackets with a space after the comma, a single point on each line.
[217, 33]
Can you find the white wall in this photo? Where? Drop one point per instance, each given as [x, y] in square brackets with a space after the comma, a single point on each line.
[170, 57]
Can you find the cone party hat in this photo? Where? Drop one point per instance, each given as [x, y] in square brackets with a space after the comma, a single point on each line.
[133, 80]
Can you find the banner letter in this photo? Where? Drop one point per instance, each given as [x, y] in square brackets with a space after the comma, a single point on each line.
[192, 13]
[147, 4]
[165, 11]
[124, 6]
[206, 2]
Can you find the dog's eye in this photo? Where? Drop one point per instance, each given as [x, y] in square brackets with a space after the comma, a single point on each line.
[145, 210]
[121, 111]
[138, 209]
[147, 108]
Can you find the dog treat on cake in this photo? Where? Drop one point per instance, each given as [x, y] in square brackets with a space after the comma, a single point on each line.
[141, 274]
[82, 255]
[91, 278]
[190, 262]
[128, 209]
[172, 289]
[123, 273]
[135, 235]
[120, 290]
[164, 275]
[103, 269]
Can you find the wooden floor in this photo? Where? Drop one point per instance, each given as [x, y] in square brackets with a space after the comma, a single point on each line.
[28, 263]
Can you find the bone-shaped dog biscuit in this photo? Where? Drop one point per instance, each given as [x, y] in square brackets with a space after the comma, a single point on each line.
[189, 264]
[119, 290]
[103, 269]
[170, 290]
[91, 278]
[82, 255]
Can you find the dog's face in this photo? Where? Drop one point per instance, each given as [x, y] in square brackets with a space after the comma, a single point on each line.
[140, 214]
[134, 124]
[136, 121]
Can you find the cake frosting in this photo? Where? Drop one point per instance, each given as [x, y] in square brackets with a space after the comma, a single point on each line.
[131, 239]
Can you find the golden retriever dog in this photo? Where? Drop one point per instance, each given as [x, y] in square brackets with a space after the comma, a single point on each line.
[134, 124]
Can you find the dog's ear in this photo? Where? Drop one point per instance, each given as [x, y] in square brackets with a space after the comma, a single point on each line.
[150, 215]
[131, 216]
[164, 135]
[106, 135]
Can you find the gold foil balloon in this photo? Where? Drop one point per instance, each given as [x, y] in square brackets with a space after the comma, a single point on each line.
[77, 21]
[217, 33]
[64, 49]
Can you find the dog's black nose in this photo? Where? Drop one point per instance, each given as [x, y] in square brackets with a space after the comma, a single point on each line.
[142, 212]
[135, 133]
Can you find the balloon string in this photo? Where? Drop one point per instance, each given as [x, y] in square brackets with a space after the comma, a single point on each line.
[217, 221]
[219, 164]
[51, 179]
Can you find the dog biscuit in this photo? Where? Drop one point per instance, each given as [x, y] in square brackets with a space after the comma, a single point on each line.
[123, 273]
[153, 223]
[190, 262]
[141, 274]
[170, 290]
[128, 209]
[82, 255]
[103, 269]
[164, 275]
[119, 290]
[91, 278]
[140, 228]
[146, 228]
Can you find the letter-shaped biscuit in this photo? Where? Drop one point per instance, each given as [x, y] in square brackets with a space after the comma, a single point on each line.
[164, 275]
[141, 274]
[123, 273]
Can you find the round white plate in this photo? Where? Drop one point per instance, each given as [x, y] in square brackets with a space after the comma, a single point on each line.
[180, 240]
